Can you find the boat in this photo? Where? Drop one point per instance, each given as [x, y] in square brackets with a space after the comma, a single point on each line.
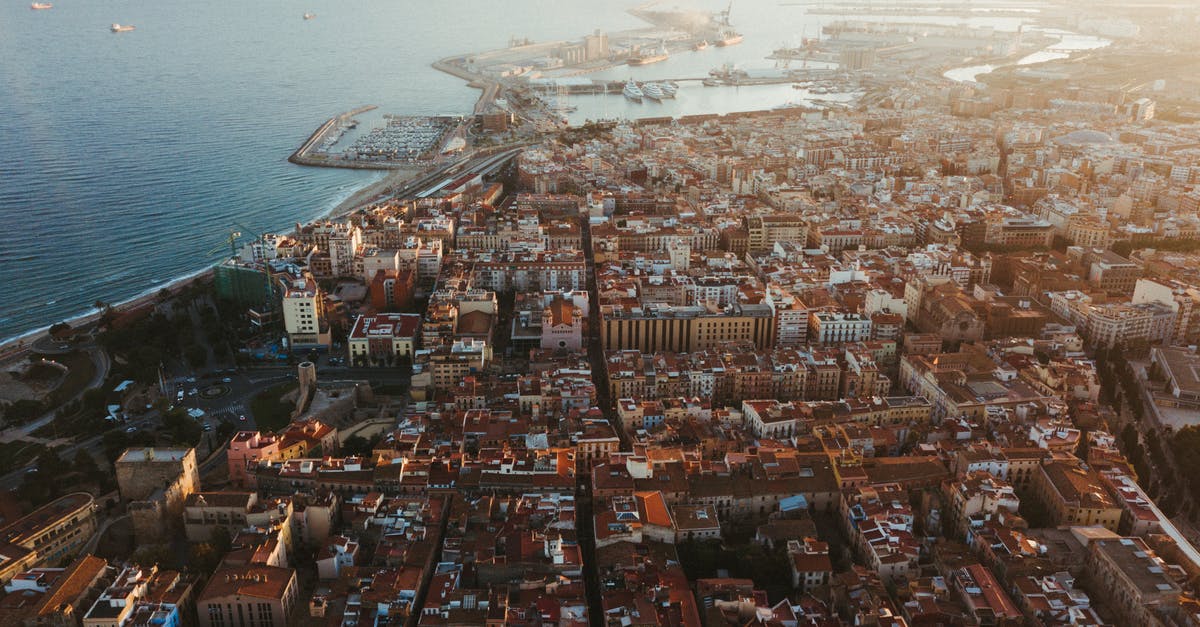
[710, 82]
[700, 46]
[669, 89]
[729, 38]
[121, 28]
[41, 6]
[647, 59]
[653, 57]
[632, 91]
[652, 91]
[309, 16]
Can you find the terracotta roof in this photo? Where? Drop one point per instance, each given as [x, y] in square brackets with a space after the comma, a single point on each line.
[561, 312]
[78, 578]
[259, 581]
[654, 509]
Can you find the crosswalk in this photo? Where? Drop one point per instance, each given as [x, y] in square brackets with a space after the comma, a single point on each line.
[228, 411]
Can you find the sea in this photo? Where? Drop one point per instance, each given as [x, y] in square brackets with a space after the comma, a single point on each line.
[126, 159]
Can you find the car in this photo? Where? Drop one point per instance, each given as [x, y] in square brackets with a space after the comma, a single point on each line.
[191, 379]
[208, 427]
[31, 470]
[193, 392]
[242, 417]
[131, 430]
[226, 380]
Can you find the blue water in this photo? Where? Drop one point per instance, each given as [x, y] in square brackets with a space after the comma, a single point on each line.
[126, 158]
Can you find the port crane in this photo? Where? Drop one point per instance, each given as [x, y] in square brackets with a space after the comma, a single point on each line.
[723, 16]
[232, 240]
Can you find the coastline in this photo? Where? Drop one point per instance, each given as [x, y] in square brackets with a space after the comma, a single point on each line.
[17, 346]
[370, 193]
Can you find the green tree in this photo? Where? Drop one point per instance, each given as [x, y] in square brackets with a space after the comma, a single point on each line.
[94, 401]
[23, 411]
[85, 464]
[197, 356]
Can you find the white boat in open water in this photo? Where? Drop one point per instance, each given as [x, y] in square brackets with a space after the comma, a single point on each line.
[121, 28]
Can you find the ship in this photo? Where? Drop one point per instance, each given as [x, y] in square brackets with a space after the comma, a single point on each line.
[121, 28]
[668, 89]
[710, 82]
[652, 91]
[632, 91]
[700, 46]
[40, 6]
[309, 16]
[647, 59]
[726, 36]
[729, 38]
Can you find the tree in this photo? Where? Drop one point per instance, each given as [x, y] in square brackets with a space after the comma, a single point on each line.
[197, 356]
[151, 554]
[85, 464]
[23, 411]
[204, 558]
[356, 445]
[94, 401]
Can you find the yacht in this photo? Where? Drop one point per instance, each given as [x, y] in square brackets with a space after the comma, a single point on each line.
[121, 28]
[309, 16]
[632, 91]
[669, 89]
[700, 46]
[652, 91]
[39, 6]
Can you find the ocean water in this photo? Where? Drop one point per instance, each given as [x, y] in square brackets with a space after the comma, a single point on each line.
[126, 159]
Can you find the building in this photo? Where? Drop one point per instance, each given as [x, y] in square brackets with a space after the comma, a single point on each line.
[381, 339]
[1134, 582]
[1111, 272]
[47, 535]
[246, 449]
[810, 564]
[304, 317]
[657, 327]
[1075, 495]
[984, 597]
[832, 328]
[204, 512]
[55, 597]
[976, 499]
[562, 325]
[764, 231]
[1181, 369]
[1181, 298]
[115, 605]
[248, 596]
[155, 482]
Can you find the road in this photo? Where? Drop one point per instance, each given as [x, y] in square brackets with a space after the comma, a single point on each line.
[102, 364]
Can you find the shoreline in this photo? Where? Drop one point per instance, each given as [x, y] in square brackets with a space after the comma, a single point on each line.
[18, 345]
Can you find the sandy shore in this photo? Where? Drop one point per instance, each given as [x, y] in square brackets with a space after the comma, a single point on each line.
[18, 346]
[369, 193]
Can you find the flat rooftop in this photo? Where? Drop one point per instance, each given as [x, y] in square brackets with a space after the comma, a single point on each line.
[154, 455]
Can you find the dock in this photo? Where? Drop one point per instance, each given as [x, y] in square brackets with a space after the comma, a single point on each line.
[304, 156]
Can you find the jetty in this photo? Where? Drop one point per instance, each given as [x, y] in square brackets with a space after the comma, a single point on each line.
[304, 154]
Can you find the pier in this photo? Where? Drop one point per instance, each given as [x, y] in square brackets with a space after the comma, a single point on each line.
[304, 156]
